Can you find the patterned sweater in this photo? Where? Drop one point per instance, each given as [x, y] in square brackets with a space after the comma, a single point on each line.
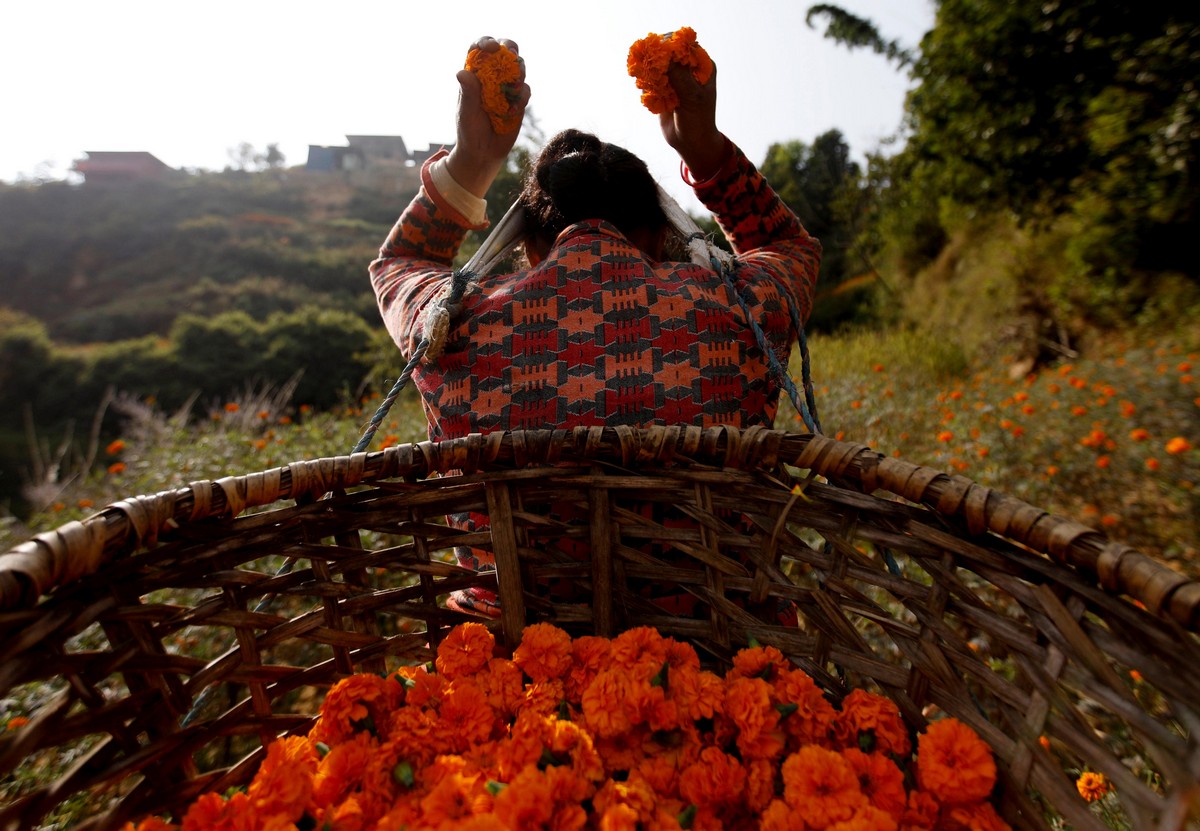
[596, 333]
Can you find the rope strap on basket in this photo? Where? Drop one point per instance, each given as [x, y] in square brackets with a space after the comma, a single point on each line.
[511, 230]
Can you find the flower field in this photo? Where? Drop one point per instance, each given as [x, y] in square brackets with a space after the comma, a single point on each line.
[1113, 441]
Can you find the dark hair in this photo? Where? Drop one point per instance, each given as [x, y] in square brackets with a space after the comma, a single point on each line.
[578, 177]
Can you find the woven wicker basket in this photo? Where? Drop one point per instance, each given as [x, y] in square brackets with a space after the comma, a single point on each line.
[176, 645]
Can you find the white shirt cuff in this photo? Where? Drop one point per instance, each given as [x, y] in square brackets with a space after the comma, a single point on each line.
[461, 199]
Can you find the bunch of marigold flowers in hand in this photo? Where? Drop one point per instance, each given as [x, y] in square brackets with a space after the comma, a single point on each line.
[651, 57]
[621, 733]
[499, 75]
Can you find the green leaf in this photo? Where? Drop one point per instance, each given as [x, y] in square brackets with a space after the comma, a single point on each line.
[687, 816]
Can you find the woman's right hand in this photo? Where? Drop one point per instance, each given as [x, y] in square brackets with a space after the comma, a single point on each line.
[480, 152]
[691, 128]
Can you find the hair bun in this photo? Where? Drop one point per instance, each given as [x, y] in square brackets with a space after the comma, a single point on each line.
[578, 184]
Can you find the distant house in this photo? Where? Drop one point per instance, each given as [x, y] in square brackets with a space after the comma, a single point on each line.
[120, 166]
[367, 153]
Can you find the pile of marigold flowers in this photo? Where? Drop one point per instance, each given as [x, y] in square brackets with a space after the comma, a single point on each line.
[499, 75]
[628, 733]
[651, 57]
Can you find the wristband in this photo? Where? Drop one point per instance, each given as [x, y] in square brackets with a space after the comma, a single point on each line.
[726, 155]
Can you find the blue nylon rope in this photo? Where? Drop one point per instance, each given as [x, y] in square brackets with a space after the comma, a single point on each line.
[806, 405]
[458, 285]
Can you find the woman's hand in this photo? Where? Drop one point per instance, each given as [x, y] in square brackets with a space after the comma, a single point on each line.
[480, 152]
[691, 128]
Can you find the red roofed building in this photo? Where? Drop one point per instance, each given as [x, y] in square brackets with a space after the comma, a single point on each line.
[120, 166]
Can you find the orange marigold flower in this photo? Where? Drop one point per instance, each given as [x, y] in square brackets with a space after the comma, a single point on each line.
[627, 750]
[116, 468]
[954, 764]
[1152, 465]
[641, 645]
[779, 816]
[543, 698]
[425, 688]
[1103, 461]
[1078, 410]
[284, 782]
[346, 706]
[150, 824]
[760, 661]
[813, 717]
[1139, 434]
[698, 694]
[921, 812]
[544, 653]
[1092, 786]
[880, 779]
[208, 811]
[618, 817]
[635, 795]
[451, 799]
[604, 703]
[867, 818]
[760, 784]
[529, 801]
[114, 447]
[232, 407]
[651, 57]
[1044, 741]
[85, 503]
[499, 75]
[748, 705]
[466, 717]
[871, 722]
[821, 784]
[978, 816]
[716, 778]
[589, 655]
[340, 772]
[1178, 445]
[504, 685]
[464, 651]
[1128, 408]
[945, 436]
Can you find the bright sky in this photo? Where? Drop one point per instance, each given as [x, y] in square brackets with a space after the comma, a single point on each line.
[189, 82]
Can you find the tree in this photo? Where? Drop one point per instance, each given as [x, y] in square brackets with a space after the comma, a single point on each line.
[274, 157]
[854, 32]
[812, 180]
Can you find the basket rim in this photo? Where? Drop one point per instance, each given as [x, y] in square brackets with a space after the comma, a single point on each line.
[81, 547]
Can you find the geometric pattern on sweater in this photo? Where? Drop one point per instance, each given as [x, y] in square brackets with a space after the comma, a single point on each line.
[596, 333]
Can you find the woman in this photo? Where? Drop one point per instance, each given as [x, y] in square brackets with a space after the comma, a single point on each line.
[600, 328]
